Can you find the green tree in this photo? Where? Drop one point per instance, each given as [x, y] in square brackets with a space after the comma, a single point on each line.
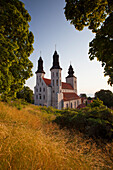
[106, 96]
[83, 95]
[16, 46]
[26, 93]
[98, 16]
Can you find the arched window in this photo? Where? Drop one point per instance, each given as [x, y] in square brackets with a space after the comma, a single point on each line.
[77, 102]
[71, 105]
[75, 105]
[67, 105]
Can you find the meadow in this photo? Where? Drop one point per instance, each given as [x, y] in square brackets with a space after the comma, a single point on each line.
[33, 137]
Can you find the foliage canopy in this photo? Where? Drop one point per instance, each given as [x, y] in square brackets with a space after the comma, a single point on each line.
[106, 96]
[98, 16]
[16, 46]
[26, 93]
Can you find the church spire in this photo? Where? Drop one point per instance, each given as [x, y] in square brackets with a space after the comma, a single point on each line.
[56, 61]
[70, 71]
[40, 66]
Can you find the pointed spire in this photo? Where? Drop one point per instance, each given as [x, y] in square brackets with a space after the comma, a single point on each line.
[70, 71]
[40, 66]
[55, 61]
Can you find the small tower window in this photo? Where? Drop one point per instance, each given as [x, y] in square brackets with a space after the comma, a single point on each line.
[40, 79]
[40, 89]
[57, 74]
[53, 82]
[43, 89]
[57, 82]
[36, 90]
[53, 74]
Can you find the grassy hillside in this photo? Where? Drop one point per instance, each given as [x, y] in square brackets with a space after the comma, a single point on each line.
[30, 140]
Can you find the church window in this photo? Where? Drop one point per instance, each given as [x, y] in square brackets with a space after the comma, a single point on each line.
[53, 82]
[40, 89]
[67, 105]
[57, 82]
[36, 96]
[44, 97]
[43, 89]
[71, 105]
[40, 96]
[75, 104]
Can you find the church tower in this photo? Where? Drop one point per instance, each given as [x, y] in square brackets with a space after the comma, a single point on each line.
[71, 79]
[56, 81]
[40, 72]
[39, 75]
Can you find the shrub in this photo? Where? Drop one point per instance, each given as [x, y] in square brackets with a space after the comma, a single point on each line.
[95, 120]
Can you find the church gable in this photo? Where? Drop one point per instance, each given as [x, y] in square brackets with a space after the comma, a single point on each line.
[47, 81]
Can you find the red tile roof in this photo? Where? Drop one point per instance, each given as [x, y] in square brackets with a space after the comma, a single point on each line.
[70, 96]
[66, 86]
[47, 81]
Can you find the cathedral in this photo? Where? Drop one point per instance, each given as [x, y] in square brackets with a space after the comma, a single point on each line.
[53, 92]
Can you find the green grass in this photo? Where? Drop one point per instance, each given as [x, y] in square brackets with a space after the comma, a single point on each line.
[30, 140]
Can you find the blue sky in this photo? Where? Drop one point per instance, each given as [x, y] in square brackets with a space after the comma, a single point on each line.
[50, 27]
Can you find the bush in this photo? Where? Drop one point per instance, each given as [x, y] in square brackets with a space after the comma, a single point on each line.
[95, 120]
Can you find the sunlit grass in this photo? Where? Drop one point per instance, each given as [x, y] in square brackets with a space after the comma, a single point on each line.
[29, 140]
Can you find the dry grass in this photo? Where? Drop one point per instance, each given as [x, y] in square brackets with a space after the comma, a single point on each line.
[28, 140]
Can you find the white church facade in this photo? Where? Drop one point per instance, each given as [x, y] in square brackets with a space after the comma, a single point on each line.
[54, 92]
